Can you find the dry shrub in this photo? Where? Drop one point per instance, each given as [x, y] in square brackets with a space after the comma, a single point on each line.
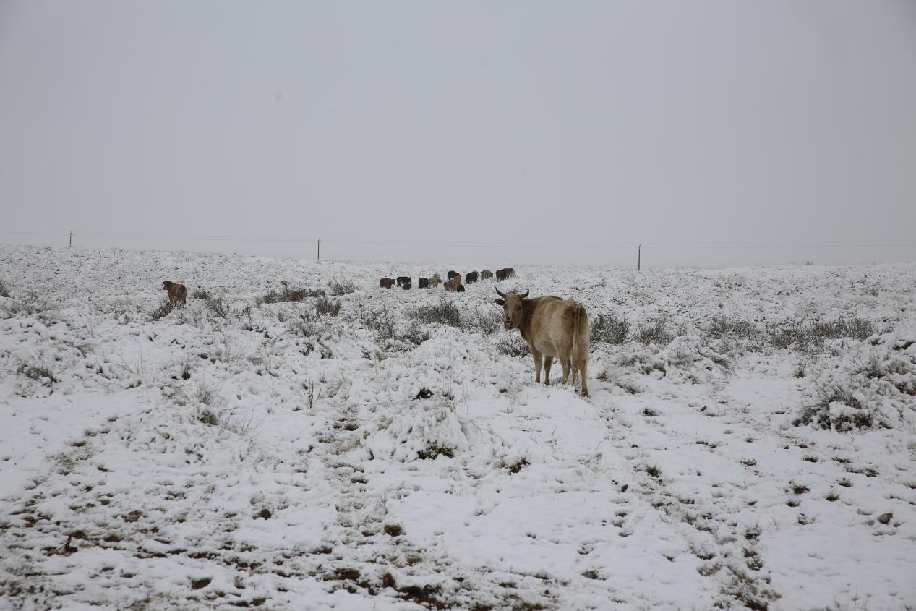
[342, 287]
[609, 329]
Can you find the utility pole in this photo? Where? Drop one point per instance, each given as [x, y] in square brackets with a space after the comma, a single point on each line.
[639, 257]
[319, 249]
[71, 239]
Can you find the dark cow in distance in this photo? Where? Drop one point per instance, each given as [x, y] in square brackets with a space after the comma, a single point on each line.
[386, 283]
[424, 283]
[501, 275]
[553, 327]
[452, 273]
[402, 280]
[178, 294]
[406, 285]
[471, 277]
[486, 274]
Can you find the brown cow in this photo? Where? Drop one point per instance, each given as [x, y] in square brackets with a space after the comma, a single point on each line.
[453, 284]
[553, 327]
[177, 292]
[434, 281]
[386, 283]
[486, 274]
[503, 274]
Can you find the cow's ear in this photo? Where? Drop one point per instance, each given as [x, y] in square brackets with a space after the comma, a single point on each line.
[500, 301]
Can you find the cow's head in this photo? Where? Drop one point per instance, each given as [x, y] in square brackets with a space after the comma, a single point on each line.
[513, 308]
[167, 285]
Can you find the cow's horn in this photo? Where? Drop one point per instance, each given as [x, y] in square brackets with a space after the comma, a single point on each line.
[526, 294]
[501, 294]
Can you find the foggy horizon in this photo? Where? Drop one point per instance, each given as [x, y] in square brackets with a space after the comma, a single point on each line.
[715, 134]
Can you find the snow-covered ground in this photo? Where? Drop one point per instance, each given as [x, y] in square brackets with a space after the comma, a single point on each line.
[237, 453]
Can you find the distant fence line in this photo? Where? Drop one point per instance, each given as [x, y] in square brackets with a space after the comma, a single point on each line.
[68, 239]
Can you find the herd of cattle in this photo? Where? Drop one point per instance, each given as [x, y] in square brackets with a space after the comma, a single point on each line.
[453, 284]
[552, 327]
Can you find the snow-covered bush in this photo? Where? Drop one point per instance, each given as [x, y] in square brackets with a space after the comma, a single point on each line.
[164, 309]
[421, 429]
[809, 336]
[289, 295]
[342, 287]
[687, 358]
[327, 307]
[512, 344]
[874, 386]
[722, 326]
[655, 332]
[609, 329]
[446, 312]
[32, 303]
[391, 331]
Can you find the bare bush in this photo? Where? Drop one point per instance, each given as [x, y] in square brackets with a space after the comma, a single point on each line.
[723, 327]
[217, 306]
[289, 295]
[489, 322]
[39, 373]
[806, 337]
[512, 345]
[448, 313]
[4, 292]
[382, 322]
[162, 311]
[610, 330]
[208, 417]
[654, 333]
[327, 307]
[200, 294]
[413, 334]
[305, 326]
[855, 328]
[444, 313]
[32, 303]
[205, 393]
[342, 287]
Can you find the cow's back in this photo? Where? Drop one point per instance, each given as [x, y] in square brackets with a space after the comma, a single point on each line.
[554, 322]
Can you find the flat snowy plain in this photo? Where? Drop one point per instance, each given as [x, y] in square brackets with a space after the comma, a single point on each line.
[239, 452]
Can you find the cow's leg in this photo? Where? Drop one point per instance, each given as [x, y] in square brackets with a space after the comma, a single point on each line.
[537, 365]
[582, 365]
[564, 360]
[548, 361]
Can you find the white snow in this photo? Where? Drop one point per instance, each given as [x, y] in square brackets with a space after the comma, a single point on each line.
[235, 453]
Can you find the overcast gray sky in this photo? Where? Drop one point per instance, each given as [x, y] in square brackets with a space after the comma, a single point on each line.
[462, 124]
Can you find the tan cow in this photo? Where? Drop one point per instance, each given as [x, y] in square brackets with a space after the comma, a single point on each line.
[486, 274]
[434, 281]
[453, 285]
[553, 327]
[177, 292]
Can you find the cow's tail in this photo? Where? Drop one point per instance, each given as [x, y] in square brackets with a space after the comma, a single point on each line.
[579, 344]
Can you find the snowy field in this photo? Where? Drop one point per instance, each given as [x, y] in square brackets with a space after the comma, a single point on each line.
[750, 441]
